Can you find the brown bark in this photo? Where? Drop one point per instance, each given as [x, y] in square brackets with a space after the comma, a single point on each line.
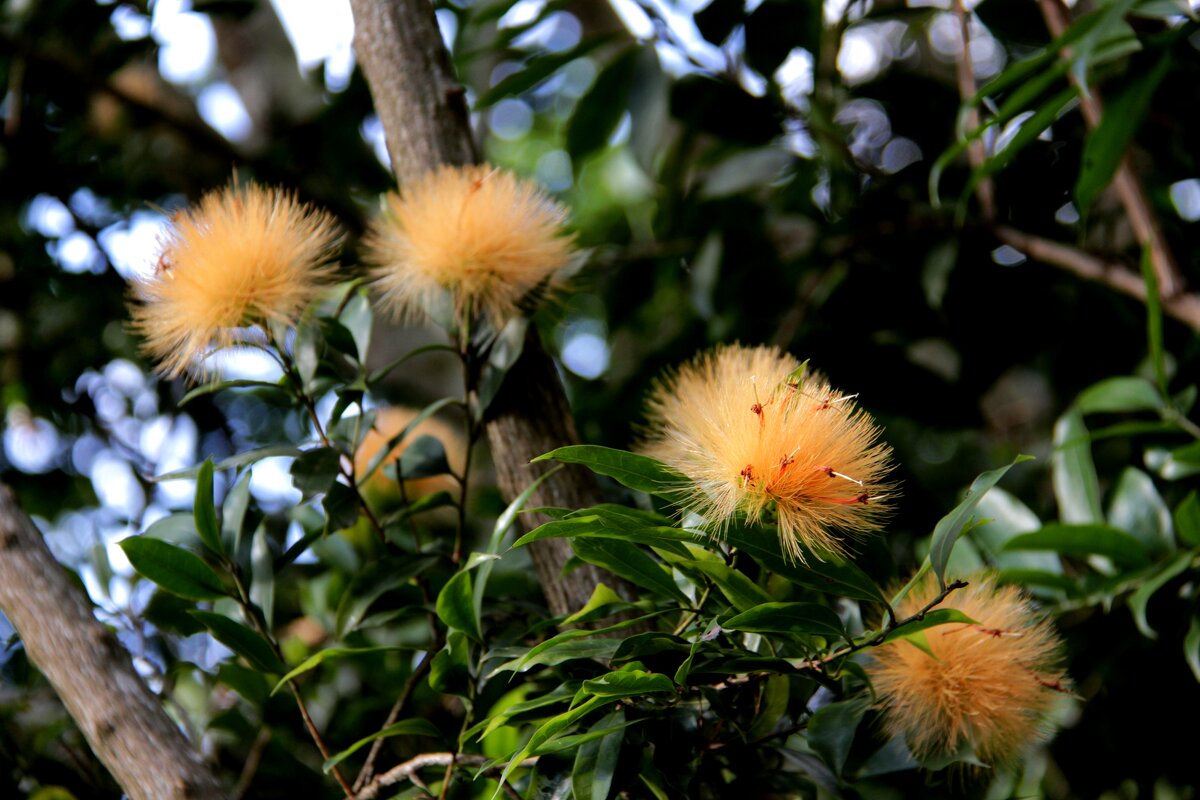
[423, 110]
[123, 721]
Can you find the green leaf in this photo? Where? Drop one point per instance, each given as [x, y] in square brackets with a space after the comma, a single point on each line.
[242, 641]
[1029, 131]
[938, 616]
[450, 670]
[1117, 395]
[456, 607]
[262, 570]
[233, 512]
[829, 574]
[394, 442]
[535, 653]
[341, 507]
[1191, 647]
[739, 590]
[550, 729]
[1154, 321]
[629, 683]
[775, 695]
[210, 388]
[801, 619]
[240, 460]
[357, 317]
[1187, 520]
[536, 70]
[638, 472]
[204, 511]
[405, 727]
[306, 351]
[831, 730]
[423, 458]
[319, 658]
[600, 109]
[561, 652]
[314, 471]
[1138, 509]
[384, 371]
[173, 568]
[603, 602]
[951, 526]
[596, 761]
[248, 683]
[1084, 540]
[1141, 598]
[597, 525]
[1105, 145]
[629, 562]
[1074, 474]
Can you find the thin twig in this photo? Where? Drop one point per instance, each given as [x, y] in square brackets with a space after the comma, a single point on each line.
[1125, 182]
[408, 769]
[253, 759]
[984, 192]
[368, 769]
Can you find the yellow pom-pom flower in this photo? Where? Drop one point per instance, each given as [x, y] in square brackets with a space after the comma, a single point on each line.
[756, 436]
[986, 686]
[480, 235]
[242, 257]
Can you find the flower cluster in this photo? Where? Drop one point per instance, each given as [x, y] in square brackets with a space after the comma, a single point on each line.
[487, 239]
[985, 686]
[241, 257]
[757, 436]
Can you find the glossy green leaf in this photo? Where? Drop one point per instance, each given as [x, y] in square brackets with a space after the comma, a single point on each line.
[603, 602]
[173, 568]
[456, 607]
[630, 562]
[341, 507]
[204, 511]
[951, 526]
[1105, 145]
[1187, 520]
[629, 683]
[357, 317]
[536, 654]
[595, 525]
[938, 616]
[1074, 474]
[405, 727]
[1191, 647]
[536, 70]
[1138, 509]
[314, 471]
[741, 592]
[450, 670]
[801, 619]
[1121, 394]
[233, 512]
[600, 109]
[1141, 598]
[638, 472]
[217, 386]
[247, 682]
[1084, 540]
[241, 640]
[550, 729]
[320, 657]
[240, 460]
[831, 730]
[425, 457]
[828, 573]
[596, 762]
[262, 574]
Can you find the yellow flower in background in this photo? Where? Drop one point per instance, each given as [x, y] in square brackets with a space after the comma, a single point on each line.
[241, 257]
[756, 437]
[489, 240]
[389, 422]
[987, 686]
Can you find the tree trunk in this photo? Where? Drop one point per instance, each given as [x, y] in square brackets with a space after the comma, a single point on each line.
[123, 721]
[424, 114]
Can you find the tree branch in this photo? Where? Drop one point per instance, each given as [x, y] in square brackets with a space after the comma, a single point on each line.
[122, 720]
[424, 114]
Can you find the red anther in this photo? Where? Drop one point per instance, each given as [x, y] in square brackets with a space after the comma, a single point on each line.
[863, 498]
[784, 463]
[995, 633]
[821, 406]
[748, 472]
[162, 265]
[757, 408]
[827, 470]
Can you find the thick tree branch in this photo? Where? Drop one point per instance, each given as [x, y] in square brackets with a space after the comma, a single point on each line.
[1175, 302]
[122, 720]
[1125, 181]
[423, 110]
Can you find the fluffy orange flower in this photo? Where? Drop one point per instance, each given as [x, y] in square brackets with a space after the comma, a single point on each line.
[242, 257]
[987, 686]
[478, 234]
[757, 437]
